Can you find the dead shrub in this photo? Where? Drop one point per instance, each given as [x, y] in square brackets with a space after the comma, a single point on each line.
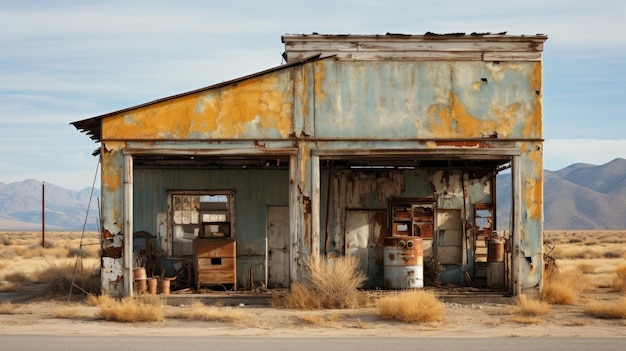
[415, 306]
[9, 308]
[145, 309]
[22, 278]
[60, 277]
[607, 310]
[327, 284]
[529, 307]
[619, 281]
[99, 300]
[563, 288]
[199, 311]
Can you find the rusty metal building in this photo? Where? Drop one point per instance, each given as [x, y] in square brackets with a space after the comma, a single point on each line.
[356, 138]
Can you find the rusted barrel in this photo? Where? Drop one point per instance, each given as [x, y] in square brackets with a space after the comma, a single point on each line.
[495, 251]
[403, 262]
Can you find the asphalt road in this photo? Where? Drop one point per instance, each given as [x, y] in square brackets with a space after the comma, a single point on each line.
[154, 343]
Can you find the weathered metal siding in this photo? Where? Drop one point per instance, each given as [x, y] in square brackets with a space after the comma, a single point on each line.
[440, 100]
[112, 275]
[531, 222]
[254, 191]
[261, 107]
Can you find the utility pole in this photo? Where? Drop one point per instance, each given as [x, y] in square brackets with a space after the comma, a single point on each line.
[43, 214]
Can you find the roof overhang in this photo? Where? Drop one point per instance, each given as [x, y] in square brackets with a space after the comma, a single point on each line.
[93, 127]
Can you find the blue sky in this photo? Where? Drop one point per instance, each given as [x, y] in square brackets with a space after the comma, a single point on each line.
[64, 61]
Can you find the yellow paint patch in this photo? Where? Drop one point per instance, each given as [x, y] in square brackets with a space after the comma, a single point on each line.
[111, 172]
[319, 71]
[454, 121]
[256, 107]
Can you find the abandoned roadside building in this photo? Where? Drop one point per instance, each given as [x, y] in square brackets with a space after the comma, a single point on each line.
[384, 147]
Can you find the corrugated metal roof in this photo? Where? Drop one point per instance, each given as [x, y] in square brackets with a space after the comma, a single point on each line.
[92, 126]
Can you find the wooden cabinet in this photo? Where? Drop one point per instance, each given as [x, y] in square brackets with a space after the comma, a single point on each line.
[412, 219]
[215, 262]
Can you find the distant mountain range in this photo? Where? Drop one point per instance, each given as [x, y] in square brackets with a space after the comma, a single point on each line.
[20, 207]
[580, 196]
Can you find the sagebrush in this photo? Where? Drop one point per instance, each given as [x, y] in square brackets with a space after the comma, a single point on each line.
[327, 284]
[414, 306]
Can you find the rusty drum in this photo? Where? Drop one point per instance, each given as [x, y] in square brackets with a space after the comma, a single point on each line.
[403, 262]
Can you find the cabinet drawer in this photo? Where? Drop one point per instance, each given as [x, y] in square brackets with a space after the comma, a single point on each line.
[216, 276]
[216, 263]
[214, 248]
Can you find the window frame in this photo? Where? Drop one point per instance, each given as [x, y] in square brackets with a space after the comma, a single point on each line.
[196, 227]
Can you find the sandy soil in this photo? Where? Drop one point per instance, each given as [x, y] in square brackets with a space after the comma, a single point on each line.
[460, 320]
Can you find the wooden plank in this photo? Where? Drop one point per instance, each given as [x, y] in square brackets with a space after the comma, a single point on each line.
[512, 56]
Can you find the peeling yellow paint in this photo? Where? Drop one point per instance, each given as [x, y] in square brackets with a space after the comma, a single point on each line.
[454, 120]
[534, 123]
[319, 71]
[255, 107]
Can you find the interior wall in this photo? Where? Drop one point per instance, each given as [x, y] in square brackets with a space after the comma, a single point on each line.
[254, 191]
[372, 190]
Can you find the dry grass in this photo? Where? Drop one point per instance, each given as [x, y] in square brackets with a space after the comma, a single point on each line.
[597, 256]
[328, 284]
[72, 313]
[60, 277]
[529, 307]
[416, 306]
[24, 261]
[563, 288]
[9, 308]
[146, 309]
[321, 320]
[526, 319]
[607, 310]
[198, 311]
[619, 281]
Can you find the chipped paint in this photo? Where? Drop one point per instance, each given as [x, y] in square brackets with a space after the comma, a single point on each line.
[361, 190]
[453, 105]
[261, 107]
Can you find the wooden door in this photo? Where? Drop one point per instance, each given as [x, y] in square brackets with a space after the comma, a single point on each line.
[364, 237]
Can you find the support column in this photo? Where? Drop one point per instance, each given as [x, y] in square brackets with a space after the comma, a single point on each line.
[516, 211]
[294, 219]
[315, 206]
[128, 225]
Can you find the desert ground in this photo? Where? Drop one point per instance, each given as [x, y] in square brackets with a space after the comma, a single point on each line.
[35, 299]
